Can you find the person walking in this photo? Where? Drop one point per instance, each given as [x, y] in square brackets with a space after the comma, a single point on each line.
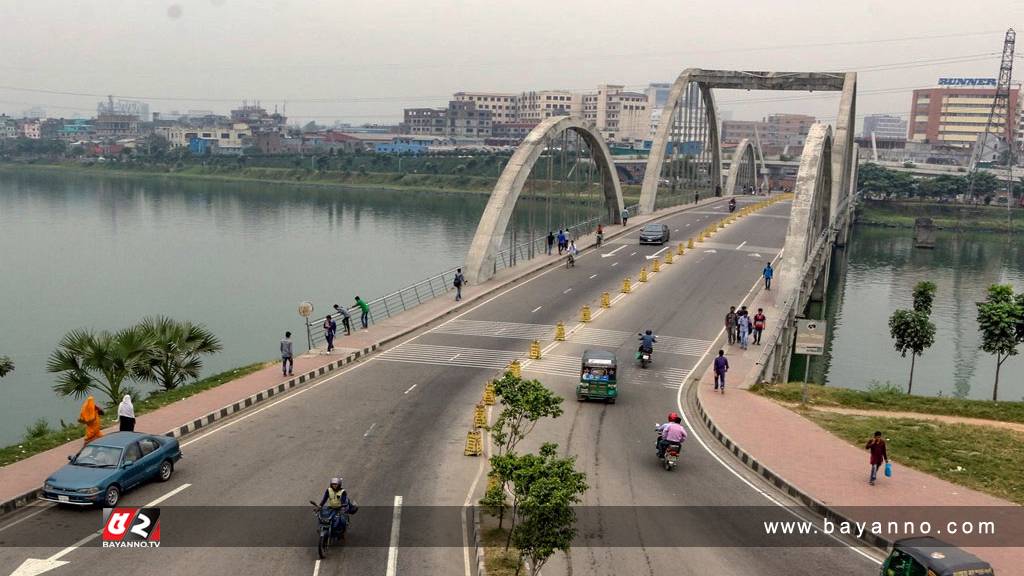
[286, 355]
[346, 319]
[721, 367]
[458, 282]
[364, 316]
[743, 321]
[551, 241]
[768, 272]
[90, 416]
[330, 329]
[561, 242]
[759, 323]
[625, 216]
[600, 234]
[126, 414]
[876, 446]
[730, 324]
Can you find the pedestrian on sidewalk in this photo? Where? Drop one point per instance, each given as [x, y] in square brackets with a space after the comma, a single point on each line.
[458, 282]
[768, 272]
[286, 354]
[551, 241]
[876, 446]
[330, 329]
[759, 323]
[126, 414]
[346, 319]
[730, 324]
[721, 367]
[364, 316]
[561, 242]
[625, 216]
[90, 416]
[744, 323]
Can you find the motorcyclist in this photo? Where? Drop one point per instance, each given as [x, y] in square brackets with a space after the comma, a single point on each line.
[338, 502]
[647, 340]
[732, 204]
[573, 251]
[671, 432]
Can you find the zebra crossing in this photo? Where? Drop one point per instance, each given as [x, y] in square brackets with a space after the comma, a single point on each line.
[664, 377]
[568, 366]
[415, 353]
[616, 338]
[496, 329]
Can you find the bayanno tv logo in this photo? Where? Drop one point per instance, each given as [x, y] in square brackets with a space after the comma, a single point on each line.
[131, 527]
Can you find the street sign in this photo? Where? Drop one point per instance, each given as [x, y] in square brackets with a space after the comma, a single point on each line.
[810, 336]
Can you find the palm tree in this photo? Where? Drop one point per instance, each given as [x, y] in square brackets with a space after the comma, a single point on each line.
[177, 347]
[6, 366]
[100, 361]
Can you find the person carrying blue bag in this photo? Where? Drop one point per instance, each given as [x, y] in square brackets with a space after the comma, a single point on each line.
[876, 446]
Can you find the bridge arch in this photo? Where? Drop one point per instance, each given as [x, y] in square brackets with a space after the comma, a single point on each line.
[480, 261]
[813, 204]
[742, 168]
[668, 127]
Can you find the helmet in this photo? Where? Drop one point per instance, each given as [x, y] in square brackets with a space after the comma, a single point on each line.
[672, 416]
[648, 332]
[677, 419]
[335, 481]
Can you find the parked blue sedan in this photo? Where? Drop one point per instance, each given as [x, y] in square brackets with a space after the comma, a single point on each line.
[110, 466]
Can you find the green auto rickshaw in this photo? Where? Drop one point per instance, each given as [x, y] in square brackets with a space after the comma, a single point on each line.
[597, 377]
[927, 556]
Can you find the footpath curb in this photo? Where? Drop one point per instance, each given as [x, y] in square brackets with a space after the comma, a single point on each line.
[243, 404]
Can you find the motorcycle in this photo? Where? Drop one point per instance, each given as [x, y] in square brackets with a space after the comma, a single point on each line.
[670, 458]
[570, 261]
[600, 238]
[732, 206]
[645, 357]
[325, 529]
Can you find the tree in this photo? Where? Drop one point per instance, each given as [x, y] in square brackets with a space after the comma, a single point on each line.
[912, 330]
[999, 317]
[524, 403]
[924, 295]
[176, 351]
[985, 184]
[100, 361]
[6, 366]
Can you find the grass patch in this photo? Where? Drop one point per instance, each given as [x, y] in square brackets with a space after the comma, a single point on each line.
[41, 438]
[892, 399]
[944, 215]
[985, 459]
[498, 561]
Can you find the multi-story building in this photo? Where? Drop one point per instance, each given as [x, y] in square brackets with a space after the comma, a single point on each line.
[76, 130]
[426, 121]
[733, 131]
[956, 112]
[786, 129]
[31, 129]
[504, 107]
[511, 134]
[226, 139]
[885, 127]
[127, 107]
[8, 128]
[535, 106]
[258, 119]
[466, 121]
[657, 95]
[116, 126]
[619, 115]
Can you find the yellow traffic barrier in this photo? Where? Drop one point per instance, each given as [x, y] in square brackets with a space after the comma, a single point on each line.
[627, 285]
[668, 256]
[480, 416]
[700, 237]
[489, 398]
[721, 224]
[656, 266]
[515, 369]
[682, 251]
[643, 274]
[585, 313]
[474, 443]
[560, 332]
[535, 350]
[689, 245]
[606, 300]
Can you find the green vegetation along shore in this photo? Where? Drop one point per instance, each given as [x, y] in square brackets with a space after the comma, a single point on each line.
[903, 213]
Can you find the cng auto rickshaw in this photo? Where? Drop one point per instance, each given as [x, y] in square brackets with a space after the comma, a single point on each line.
[597, 377]
[927, 556]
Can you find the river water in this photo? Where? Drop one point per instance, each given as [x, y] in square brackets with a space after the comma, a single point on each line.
[880, 273]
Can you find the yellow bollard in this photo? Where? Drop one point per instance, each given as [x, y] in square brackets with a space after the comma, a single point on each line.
[489, 398]
[535, 350]
[721, 224]
[643, 274]
[560, 332]
[606, 300]
[479, 416]
[668, 256]
[656, 266]
[627, 285]
[474, 444]
[688, 245]
[700, 237]
[515, 369]
[585, 313]
[681, 251]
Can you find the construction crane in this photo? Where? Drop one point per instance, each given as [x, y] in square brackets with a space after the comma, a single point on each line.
[1001, 104]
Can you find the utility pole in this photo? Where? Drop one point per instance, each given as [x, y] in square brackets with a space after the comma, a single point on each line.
[1001, 101]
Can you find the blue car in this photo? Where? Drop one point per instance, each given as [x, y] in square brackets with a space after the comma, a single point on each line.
[110, 466]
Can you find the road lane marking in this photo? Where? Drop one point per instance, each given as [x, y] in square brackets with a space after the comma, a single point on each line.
[316, 568]
[612, 253]
[537, 308]
[567, 290]
[592, 276]
[655, 255]
[43, 507]
[744, 243]
[410, 389]
[687, 225]
[372, 426]
[452, 359]
[615, 263]
[632, 253]
[396, 520]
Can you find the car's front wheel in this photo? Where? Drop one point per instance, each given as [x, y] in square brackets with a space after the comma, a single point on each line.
[112, 496]
[165, 471]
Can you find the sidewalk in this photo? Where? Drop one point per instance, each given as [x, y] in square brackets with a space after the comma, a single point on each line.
[811, 464]
[20, 481]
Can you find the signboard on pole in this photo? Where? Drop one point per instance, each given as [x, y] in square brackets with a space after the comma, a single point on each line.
[810, 336]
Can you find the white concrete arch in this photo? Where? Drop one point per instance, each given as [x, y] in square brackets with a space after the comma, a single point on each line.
[843, 154]
[744, 154]
[494, 221]
[812, 203]
[652, 175]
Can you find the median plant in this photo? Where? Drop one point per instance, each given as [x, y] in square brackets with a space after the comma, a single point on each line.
[1000, 320]
[912, 330]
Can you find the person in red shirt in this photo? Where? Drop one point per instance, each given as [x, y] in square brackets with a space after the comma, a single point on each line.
[759, 322]
[876, 446]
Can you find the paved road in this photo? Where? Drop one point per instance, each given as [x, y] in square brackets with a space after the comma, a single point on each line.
[394, 426]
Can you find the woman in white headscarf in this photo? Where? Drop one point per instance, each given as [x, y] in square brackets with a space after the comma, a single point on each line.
[126, 414]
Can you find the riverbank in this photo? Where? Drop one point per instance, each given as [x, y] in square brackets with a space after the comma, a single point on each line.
[390, 181]
[903, 213]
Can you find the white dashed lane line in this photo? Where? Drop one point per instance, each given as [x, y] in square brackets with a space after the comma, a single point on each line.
[592, 276]
[537, 308]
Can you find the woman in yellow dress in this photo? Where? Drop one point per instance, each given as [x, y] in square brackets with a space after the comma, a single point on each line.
[90, 416]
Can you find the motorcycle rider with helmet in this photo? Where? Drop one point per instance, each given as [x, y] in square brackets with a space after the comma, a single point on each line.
[671, 432]
[647, 340]
[337, 501]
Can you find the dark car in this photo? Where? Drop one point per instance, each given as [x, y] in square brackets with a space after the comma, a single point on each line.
[110, 466]
[927, 555]
[654, 234]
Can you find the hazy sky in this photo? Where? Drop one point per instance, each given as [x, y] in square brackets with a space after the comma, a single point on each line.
[366, 60]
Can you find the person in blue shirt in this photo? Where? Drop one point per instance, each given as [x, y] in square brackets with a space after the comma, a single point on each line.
[768, 272]
[336, 499]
